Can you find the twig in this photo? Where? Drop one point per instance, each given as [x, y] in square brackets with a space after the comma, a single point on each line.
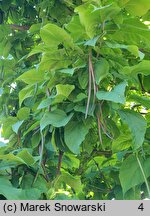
[89, 94]
[99, 129]
[41, 157]
[45, 172]
[95, 152]
[106, 133]
[144, 176]
[100, 189]
[103, 123]
[101, 174]
[91, 79]
[19, 27]
[59, 162]
[41, 148]
[92, 75]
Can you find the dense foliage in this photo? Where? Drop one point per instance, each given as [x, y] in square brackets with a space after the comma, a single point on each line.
[75, 85]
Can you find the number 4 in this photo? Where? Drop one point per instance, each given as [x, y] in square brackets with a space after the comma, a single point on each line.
[141, 207]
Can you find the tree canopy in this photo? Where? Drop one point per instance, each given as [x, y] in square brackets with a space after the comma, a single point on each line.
[74, 99]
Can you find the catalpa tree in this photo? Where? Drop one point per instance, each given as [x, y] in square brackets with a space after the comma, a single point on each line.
[74, 86]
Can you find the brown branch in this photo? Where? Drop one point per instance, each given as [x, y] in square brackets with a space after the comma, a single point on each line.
[91, 79]
[45, 172]
[99, 129]
[89, 94]
[99, 117]
[106, 153]
[59, 162]
[93, 76]
[19, 27]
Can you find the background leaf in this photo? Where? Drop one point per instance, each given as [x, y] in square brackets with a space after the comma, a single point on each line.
[101, 69]
[31, 77]
[23, 113]
[53, 35]
[138, 8]
[116, 95]
[130, 173]
[75, 133]
[137, 125]
[56, 118]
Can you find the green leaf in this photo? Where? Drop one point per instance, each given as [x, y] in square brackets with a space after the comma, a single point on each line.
[144, 101]
[26, 157]
[146, 82]
[70, 160]
[6, 49]
[40, 183]
[35, 28]
[45, 103]
[81, 108]
[7, 190]
[137, 125]
[67, 71]
[32, 76]
[80, 97]
[134, 50]
[7, 127]
[101, 69]
[58, 99]
[10, 160]
[23, 113]
[26, 92]
[92, 42]
[53, 35]
[12, 193]
[108, 11]
[33, 126]
[64, 90]
[124, 141]
[17, 125]
[56, 118]
[132, 31]
[38, 49]
[116, 95]
[142, 68]
[130, 174]
[74, 135]
[89, 18]
[72, 181]
[131, 48]
[83, 79]
[75, 28]
[137, 8]
[54, 60]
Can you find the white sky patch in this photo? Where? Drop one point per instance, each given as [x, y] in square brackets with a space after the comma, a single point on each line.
[1, 138]
[147, 22]
[13, 86]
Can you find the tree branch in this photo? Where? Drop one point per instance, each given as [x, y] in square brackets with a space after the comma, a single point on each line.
[59, 162]
[19, 27]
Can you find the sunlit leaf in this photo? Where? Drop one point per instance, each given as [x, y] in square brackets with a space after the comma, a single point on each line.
[116, 95]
